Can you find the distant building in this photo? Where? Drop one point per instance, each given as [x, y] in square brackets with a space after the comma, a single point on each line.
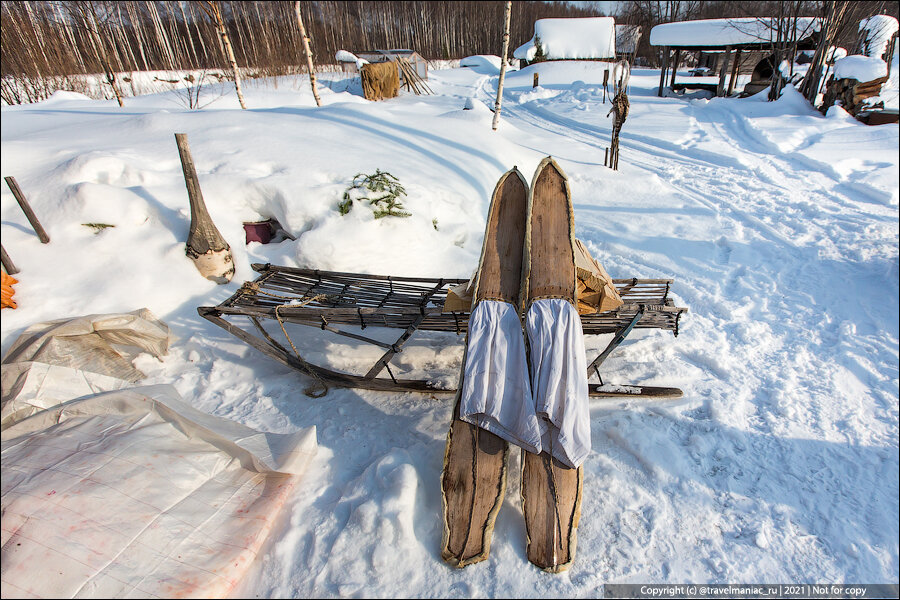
[592, 38]
[418, 63]
[727, 47]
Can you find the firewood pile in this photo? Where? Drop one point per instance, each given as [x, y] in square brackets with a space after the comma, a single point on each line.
[851, 93]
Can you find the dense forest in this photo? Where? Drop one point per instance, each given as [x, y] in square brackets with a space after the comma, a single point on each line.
[62, 38]
[43, 40]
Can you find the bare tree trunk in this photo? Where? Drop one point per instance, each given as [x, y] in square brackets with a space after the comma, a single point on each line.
[503, 53]
[309, 58]
[214, 10]
[834, 14]
[94, 28]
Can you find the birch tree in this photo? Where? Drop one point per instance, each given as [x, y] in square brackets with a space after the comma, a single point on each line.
[214, 10]
[503, 54]
[309, 58]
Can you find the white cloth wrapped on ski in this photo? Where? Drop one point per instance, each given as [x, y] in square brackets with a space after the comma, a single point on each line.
[559, 379]
[496, 393]
[546, 411]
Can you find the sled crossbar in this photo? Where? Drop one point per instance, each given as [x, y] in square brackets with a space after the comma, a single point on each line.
[333, 301]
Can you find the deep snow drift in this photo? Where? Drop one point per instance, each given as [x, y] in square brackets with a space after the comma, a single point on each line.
[779, 226]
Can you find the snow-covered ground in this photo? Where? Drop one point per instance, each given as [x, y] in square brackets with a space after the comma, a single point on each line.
[779, 226]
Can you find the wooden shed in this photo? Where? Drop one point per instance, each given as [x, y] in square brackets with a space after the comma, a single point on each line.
[736, 45]
[415, 59]
[590, 38]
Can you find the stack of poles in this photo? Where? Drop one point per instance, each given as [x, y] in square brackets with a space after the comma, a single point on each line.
[414, 82]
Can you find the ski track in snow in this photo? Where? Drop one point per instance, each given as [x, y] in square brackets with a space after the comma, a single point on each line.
[779, 464]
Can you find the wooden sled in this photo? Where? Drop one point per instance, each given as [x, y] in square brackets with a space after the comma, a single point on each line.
[335, 301]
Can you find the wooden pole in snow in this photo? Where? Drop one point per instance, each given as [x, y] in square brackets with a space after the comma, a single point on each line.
[309, 58]
[734, 72]
[720, 89]
[663, 67]
[503, 53]
[675, 66]
[205, 245]
[7, 262]
[26, 208]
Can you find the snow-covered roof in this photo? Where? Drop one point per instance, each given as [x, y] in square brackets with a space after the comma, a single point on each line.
[491, 61]
[860, 68]
[879, 31]
[593, 37]
[627, 37]
[726, 32]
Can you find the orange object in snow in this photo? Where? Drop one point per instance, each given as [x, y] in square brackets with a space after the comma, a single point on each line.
[8, 291]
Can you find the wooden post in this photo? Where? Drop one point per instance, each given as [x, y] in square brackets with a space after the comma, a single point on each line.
[734, 71]
[664, 66]
[7, 262]
[605, 83]
[535, 83]
[723, 71]
[309, 58]
[26, 208]
[205, 245]
[503, 53]
[675, 66]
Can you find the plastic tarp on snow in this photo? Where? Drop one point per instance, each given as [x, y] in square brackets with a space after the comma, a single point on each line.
[587, 38]
[726, 32]
[56, 361]
[103, 344]
[130, 492]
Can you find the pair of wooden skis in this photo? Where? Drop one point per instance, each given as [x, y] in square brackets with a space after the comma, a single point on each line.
[527, 254]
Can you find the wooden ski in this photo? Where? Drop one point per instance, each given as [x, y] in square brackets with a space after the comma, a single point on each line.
[473, 480]
[551, 491]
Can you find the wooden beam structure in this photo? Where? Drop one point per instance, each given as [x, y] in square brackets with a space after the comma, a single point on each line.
[723, 71]
[675, 65]
[734, 72]
[662, 70]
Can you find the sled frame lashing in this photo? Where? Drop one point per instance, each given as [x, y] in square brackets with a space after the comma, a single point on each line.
[332, 301]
